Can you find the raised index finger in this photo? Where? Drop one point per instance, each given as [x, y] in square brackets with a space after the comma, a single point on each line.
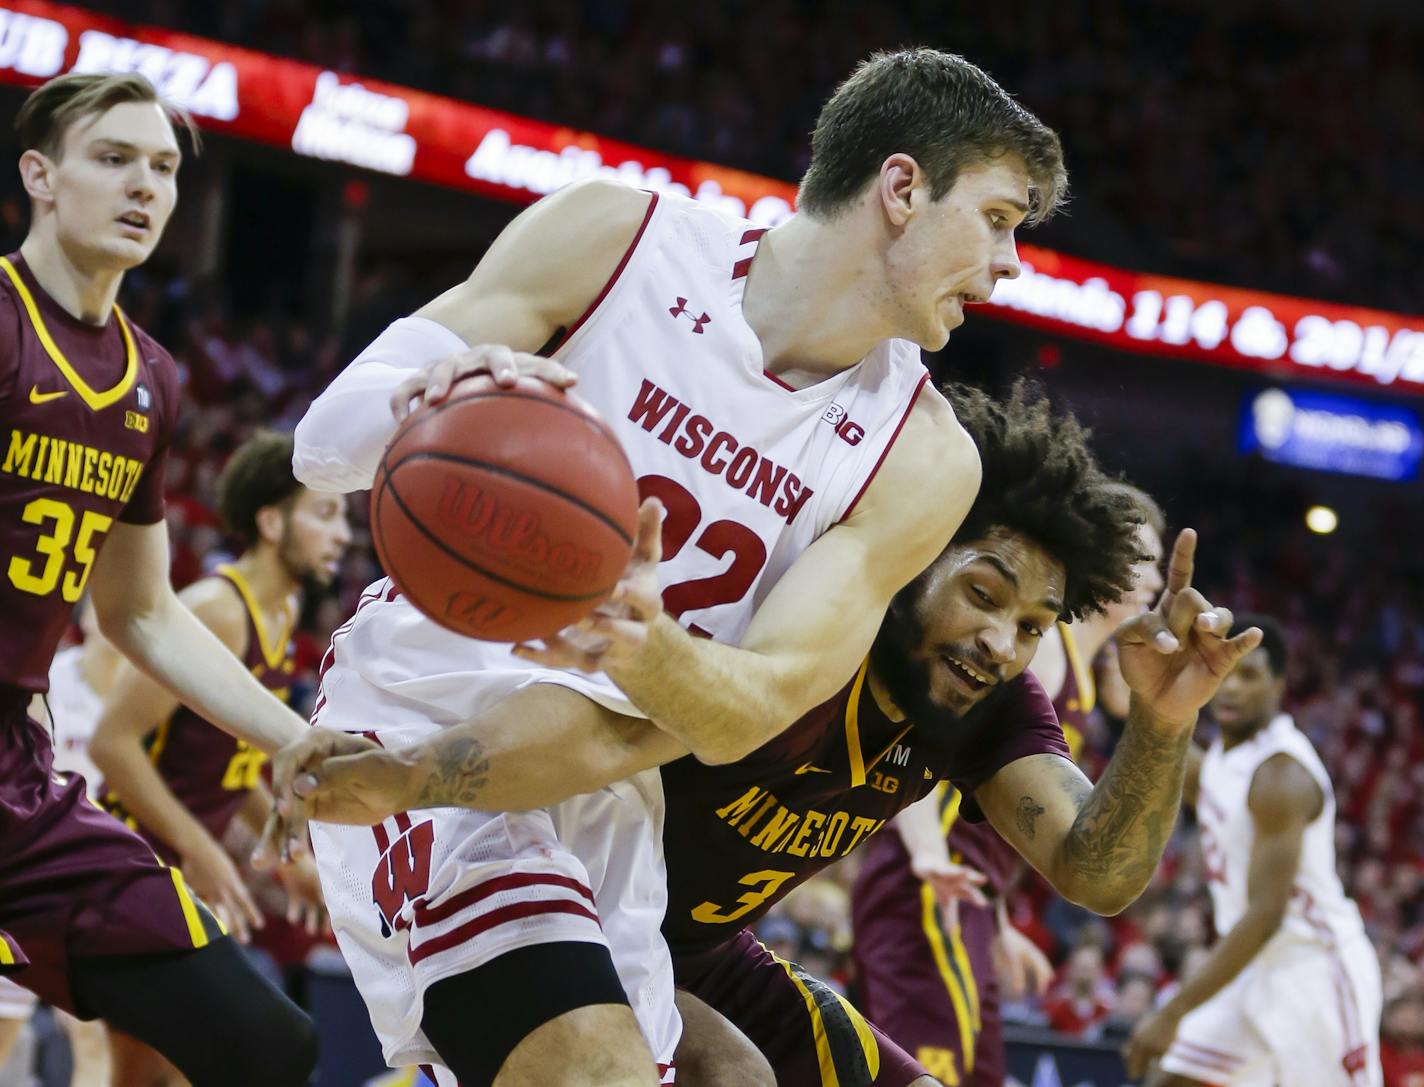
[1179, 570]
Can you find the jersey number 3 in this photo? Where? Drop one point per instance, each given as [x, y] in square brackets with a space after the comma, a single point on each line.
[718, 539]
[53, 545]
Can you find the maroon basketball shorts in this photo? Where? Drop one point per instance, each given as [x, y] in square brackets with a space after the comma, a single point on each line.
[74, 881]
[933, 990]
[812, 1035]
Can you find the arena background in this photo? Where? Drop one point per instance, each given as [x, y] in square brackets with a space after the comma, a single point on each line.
[1233, 301]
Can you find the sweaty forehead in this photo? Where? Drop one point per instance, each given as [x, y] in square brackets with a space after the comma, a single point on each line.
[1039, 575]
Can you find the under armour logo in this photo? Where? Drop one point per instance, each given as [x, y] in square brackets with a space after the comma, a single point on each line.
[697, 322]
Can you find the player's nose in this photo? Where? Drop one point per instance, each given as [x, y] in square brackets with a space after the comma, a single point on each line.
[996, 641]
[1005, 263]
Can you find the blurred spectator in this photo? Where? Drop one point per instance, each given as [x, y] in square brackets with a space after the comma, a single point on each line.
[1085, 996]
[1402, 1042]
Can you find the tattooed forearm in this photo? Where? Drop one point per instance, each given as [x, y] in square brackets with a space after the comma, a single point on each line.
[459, 769]
[1123, 824]
[1027, 816]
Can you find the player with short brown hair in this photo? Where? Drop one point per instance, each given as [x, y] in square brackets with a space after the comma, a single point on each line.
[88, 915]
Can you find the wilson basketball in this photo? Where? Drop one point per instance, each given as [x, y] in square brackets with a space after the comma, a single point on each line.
[505, 514]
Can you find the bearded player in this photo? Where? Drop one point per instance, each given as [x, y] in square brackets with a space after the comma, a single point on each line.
[180, 780]
[944, 695]
[931, 939]
[88, 915]
[767, 388]
[1291, 992]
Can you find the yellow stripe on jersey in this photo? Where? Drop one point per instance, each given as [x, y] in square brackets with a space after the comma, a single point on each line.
[196, 932]
[852, 725]
[824, 1057]
[966, 976]
[95, 400]
[274, 652]
[1082, 673]
[934, 933]
[7, 956]
[949, 808]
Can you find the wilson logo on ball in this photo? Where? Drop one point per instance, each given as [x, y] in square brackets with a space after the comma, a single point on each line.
[516, 533]
[480, 613]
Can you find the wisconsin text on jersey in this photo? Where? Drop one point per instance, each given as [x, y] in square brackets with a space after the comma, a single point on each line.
[71, 464]
[718, 452]
[802, 834]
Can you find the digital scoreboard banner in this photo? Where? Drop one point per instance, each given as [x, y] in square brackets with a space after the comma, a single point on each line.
[407, 133]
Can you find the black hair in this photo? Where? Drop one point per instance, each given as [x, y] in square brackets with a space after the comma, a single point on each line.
[1273, 639]
[1041, 480]
[257, 475]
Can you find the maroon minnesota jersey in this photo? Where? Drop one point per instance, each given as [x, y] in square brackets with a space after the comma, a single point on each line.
[738, 837]
[209, 771]
[89, 411]
[979, 844]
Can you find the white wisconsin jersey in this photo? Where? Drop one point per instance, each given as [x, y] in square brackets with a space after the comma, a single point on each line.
[1319, 910]
[75, 708]
[751, 470]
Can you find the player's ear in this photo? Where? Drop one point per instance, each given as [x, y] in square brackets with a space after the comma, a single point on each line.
[37, 175]
[899, 176]
[270, 523]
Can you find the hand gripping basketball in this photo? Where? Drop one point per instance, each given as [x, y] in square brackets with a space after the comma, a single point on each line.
[433, 382]
[618, 627]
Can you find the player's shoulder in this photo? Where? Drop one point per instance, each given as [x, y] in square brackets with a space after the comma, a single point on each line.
[1284, 790]
[597, 208]
[219, 606]
[1025, 702]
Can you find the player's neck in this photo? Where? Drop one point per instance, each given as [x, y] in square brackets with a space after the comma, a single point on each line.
[881, 694]
[1091, 634]
[812, 298]
[268, 578]
[1237, 738]
[87, 294]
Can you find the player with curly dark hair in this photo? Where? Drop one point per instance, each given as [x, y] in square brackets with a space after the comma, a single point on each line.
[945, 695]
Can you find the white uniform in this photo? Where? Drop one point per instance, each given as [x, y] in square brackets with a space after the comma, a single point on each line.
[1306, 1011]
[75, 708]
[751, 472]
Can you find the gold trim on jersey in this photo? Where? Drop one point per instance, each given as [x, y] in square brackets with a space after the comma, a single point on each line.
[957, 985]
[196, 932]
[1087, 685]
[949, 806]
[7, 956]
[824, 1057]
[852, 727]
[96, 400]
[274, 653]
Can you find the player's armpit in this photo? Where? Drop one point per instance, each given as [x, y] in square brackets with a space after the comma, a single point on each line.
[540, 275]
[817, 623]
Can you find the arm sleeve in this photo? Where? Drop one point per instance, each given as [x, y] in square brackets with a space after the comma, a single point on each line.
[339, 441]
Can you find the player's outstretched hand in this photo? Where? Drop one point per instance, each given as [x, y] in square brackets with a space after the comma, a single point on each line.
[432, 382]
[359, 789]
[305, 905]
[1149, 1040]
[1175, 656]
[1023, 968]
[210, 872]
[619, 626]
[284, 838]
[950, 882]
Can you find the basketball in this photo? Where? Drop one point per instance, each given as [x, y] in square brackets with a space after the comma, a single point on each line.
[505, 514]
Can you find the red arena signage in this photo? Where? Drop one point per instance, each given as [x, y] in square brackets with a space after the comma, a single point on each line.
[407, 133]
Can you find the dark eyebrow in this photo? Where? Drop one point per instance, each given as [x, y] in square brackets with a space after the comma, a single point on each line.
[125, 145]
[1006, 572]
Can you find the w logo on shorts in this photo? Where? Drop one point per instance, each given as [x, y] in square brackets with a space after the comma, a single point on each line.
[403, 873]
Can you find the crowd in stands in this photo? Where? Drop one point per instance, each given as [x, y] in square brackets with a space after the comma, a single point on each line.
[1265, 144]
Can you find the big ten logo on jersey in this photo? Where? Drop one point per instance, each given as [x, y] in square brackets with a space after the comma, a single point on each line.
[138, 420]
[403, 873]
[846, 428]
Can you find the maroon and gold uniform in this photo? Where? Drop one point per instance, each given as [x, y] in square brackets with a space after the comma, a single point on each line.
[739, 837]
[209, 771]
[932, 987]
[89, 411]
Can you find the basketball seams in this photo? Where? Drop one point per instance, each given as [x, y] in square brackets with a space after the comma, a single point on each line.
[464, 560]
[509, 473]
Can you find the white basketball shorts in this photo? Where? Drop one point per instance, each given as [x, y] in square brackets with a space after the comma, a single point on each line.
[434, 893]
[1302, 1014]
